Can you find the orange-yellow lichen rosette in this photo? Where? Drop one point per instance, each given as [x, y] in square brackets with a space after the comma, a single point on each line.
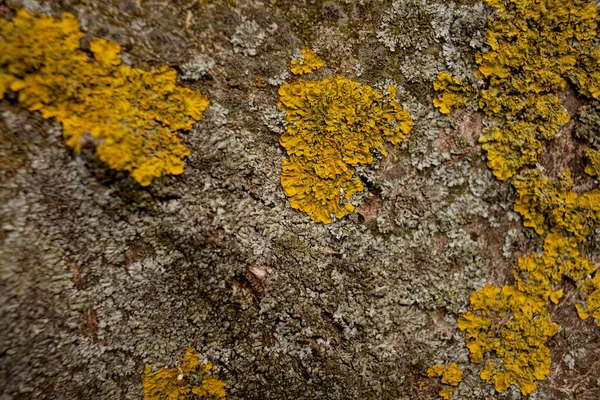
[334, 125]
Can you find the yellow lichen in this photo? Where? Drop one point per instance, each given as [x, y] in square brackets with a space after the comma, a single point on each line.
[451, 375]
[132, 115]
[306, 63]
[591, 289]
[536, 275]
[334, 125]
[514, 327]
[452, 92]
[550, 205]
[586, 75]
[593, 165]
[319, 197]
[534, 46]
[518, 140]
[446, 393]
[436, 370]
[178, 383]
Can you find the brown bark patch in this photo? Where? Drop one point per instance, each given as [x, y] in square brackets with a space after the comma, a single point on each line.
[369, 209]
[89, 325]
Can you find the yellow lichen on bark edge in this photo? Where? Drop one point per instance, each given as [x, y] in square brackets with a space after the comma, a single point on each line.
[451, 91]
[520, 343]
[514, 327]
[592, 167]
[177, 383]
[446, 393]
[523, 81]
[537, 275]
[591, 289]
[307, 62]
[131, 115]
[334, 125]
[526, 67]
[550, 205]
[451, 375]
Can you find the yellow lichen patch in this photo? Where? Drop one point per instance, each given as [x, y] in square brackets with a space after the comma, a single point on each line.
[537, 275]
[550, 205]
[586, 74]
[591, 289]
[518, 140]
[513, 327]
[534, 46]
[318, 197]
[446, 393]
[306, 63]
[451, 375]
[132, 115]
[436, 370]
[593, 165]
[334, 125]
[452, 92]
[178, 383]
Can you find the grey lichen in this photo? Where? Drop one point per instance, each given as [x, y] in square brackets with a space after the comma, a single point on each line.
[247, 38]
[430, 37]
[274, 119]
[513, 241]
[279, 79]
[197, 68]
[217, 114]
[463, 38]
[36, 6]
[407, 25]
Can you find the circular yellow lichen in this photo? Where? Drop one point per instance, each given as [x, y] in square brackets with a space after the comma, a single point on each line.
[333, 125]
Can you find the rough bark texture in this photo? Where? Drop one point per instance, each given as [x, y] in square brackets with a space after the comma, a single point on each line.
[100, 276]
